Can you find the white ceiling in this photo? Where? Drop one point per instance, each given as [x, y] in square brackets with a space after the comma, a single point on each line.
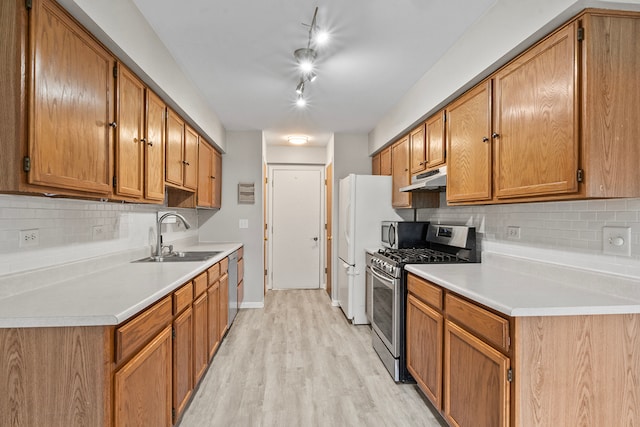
[239, 53]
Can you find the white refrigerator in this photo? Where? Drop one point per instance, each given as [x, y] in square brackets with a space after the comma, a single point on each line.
[364, 202]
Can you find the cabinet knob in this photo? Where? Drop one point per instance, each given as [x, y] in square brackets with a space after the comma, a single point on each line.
[485, 139]
[495, 135]
[113, 125]
[143, 140]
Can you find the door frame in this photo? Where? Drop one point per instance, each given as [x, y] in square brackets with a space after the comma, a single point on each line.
[269, 224]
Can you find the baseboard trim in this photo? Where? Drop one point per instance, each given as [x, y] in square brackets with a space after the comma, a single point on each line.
[252, 305]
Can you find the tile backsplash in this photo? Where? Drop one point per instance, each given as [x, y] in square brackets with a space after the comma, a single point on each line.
[73, 230]
[572, 229]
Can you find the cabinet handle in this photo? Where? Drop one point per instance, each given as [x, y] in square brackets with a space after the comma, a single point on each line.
[213, 177]
[113, 125]
[495, 135]
[144, 141]
[150, 143]
[485, 139]
[184, 162]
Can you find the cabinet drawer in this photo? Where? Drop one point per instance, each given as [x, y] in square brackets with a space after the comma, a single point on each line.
[200, 284]
[214, 273]
[133, 335]
[425, 291]
[487, 325]
[182, 298]
[241, 253]
[224, 266]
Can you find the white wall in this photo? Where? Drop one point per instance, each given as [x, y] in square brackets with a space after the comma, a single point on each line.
[350, 155]
[506, 29]
[241, 163]
[122, 28]
[296, 155]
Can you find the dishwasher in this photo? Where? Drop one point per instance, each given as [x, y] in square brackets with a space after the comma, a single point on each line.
[233, 286]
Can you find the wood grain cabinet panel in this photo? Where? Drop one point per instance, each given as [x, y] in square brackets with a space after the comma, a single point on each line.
[435, 141]
[425, 291]
[182, 298]
[143, 386]
[535, 125]
[468, 138]
[154, 147]
[130, 146]
[200, 284]
[401, 175]
[205, 174]
[476, 386]
[375, 164]
[424, 348]
[213, 331]
[174, 149]
[418, 156]
[182, 362]
[200, 337]
[217, 180]
[385, 162]
[71, 104]
[213, 273]
[223, 314]
[190, 176]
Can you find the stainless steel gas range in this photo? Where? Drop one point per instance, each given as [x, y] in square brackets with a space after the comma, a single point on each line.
[386, 280]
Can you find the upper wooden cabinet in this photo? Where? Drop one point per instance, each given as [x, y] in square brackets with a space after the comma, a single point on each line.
[418, 152]
[209, 176]
[154, 147]
[469, 146]
[375, 164]
[435, 140]
[174, 148]
[71, 123]
[385, 162]
[130, 143]
[400, 173]
[190, 162]
[535, 122]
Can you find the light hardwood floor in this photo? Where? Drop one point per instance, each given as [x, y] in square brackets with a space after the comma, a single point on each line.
[298, 362]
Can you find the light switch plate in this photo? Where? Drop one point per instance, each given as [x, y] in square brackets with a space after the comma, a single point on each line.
[616, 241]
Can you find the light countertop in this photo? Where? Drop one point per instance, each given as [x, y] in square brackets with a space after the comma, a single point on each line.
[105, 297]
[518, 288]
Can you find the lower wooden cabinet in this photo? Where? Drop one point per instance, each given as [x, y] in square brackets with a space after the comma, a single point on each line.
[223, 314]
[213, 304]
[137, 400]
[476, 384]
[200, 337]
[182, 362]
[424, 348]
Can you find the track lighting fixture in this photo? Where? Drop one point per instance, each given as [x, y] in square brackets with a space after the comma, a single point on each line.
[306, 56]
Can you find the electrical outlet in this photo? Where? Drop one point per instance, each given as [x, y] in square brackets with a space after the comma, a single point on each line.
[29, 238]
[97, 232]
[513, 232]
[616, 241]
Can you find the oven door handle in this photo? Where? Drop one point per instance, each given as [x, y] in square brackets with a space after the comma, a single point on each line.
[383, 278]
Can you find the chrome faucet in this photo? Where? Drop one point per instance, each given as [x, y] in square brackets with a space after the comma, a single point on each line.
[159, 229]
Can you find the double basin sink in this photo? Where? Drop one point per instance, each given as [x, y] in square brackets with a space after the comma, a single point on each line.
[188, 256]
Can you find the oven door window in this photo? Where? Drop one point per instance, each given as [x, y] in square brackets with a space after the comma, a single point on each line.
[384, 313]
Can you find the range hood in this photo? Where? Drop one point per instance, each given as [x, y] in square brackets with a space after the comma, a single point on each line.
[431, 180]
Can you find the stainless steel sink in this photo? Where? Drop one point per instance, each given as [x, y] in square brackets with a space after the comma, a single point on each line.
[188, 256]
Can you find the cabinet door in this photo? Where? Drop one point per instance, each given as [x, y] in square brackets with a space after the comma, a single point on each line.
[217, 179]
[476, 389]
[174, 149]
[182, 361]
[190, 158]
[424, 348]
[418, 152]
[70, 104]
[223, 314]
[213, 302]
[154, 152]
[435, 140]
[205, 174]
[536, 120]
[142, 387]
[385, 162]
[400, 173]
[469, 146]
[200, 337]
[375, 164]
[130, 133]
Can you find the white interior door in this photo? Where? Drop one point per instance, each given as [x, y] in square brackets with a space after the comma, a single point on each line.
[295, 227]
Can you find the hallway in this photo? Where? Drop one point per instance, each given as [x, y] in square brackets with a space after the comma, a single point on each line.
[298, 362]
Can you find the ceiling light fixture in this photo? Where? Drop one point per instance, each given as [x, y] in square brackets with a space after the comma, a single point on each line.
[298, 140]
[306, 57]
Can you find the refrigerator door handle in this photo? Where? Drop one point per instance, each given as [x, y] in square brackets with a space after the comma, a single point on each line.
[347, 228]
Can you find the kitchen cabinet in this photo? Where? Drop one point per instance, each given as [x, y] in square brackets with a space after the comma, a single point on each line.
[400, 173]
[385, 162]
[209, 176]
[182, 362]
[535, 130]
[136, 400]
[468, 135]
[174, 173]
[191, 139]
[156, 114]
[213, 331]
[435, 141]
[418, 152]
[200, 336]
[71, 127]
[130, 141]
[375, 164]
